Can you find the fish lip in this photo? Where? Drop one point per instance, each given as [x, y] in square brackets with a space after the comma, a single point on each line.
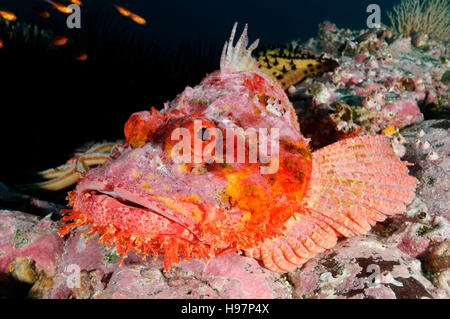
[153, 206]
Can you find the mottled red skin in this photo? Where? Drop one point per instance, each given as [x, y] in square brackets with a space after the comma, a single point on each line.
[227, 100]
[142, 200]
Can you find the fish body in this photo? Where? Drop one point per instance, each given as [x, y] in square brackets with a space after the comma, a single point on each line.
[59, 40]
[60, 7]
[137, 19]
[42, 13]
[282, 206]
[290, 65]
[133, 16]
[123, 11]
[81, 56]
[8, 15]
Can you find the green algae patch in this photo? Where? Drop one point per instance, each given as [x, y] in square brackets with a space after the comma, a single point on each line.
[110, 258]
[20, 240]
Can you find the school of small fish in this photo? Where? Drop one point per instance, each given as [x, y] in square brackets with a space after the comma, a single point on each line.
[61, 40]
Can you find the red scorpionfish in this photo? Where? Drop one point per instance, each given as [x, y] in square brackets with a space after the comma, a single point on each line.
[144, 200]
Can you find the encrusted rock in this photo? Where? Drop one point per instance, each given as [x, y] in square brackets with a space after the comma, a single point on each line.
[431, 165]
[362, 267]
[438, 258]
[27, 236]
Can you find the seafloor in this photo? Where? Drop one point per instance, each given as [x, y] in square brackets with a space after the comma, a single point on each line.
[384, 84]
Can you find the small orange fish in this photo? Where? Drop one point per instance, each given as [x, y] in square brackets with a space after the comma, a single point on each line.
[137, 19]
[8, 15]
[77, 2]
[42, 13]
[59, 40]
[81, 57]
[127, 13]
[123, 11]
[60, 7]
[1, 44]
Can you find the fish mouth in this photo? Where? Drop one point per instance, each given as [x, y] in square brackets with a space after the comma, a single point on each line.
[148, 215]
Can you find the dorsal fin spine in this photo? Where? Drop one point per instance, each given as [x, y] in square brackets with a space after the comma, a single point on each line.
[238, 58]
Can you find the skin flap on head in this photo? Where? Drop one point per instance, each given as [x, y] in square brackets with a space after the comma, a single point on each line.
[238, 58]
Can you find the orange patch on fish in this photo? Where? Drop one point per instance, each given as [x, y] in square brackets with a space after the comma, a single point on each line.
[390, 130]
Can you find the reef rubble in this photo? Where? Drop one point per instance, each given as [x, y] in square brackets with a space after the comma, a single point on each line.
[383, 82]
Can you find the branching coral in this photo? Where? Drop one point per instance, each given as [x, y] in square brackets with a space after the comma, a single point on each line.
[427, 16]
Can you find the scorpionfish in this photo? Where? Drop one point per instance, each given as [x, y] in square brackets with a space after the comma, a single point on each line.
[143, 200]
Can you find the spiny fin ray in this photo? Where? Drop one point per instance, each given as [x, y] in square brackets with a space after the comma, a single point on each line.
[350, 192]
[290, 65]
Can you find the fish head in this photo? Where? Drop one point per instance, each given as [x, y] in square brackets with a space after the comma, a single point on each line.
[221, 168]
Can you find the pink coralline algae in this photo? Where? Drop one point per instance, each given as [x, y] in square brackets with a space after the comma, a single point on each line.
[384, 81]
[26, 236]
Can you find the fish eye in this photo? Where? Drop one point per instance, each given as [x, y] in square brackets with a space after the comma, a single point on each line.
[199, 129]
[391, 114]
[196, 137]
[203, 134]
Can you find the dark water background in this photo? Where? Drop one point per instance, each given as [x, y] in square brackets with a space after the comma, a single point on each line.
[271, 21]
[52, 104]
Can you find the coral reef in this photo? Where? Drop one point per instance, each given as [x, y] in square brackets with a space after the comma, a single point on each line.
[362, 267]
[422, 17]
[381, 82]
